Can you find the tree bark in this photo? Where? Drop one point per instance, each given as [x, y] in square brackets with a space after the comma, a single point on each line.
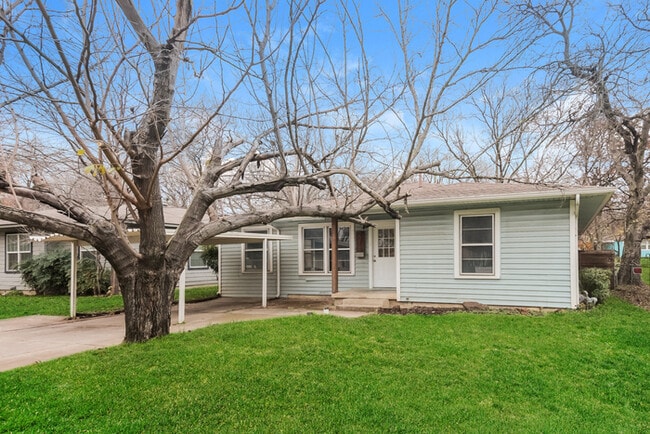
[148, 295]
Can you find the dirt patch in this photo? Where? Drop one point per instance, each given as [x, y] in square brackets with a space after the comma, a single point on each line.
[420, 310]
[635, 294]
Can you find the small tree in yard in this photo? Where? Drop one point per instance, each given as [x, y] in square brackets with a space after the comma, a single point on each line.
[264, 105]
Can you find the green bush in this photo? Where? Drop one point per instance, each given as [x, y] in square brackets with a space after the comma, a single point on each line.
[92, 278]
[210, 256]
[49, 274]
[596, 281]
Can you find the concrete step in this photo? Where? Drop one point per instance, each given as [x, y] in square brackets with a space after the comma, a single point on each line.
[361, 304]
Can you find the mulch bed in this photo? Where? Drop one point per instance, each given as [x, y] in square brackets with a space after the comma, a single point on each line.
[635, 294]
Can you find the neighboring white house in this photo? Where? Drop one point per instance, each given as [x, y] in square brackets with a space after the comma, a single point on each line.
[497, 244]
[17, 244]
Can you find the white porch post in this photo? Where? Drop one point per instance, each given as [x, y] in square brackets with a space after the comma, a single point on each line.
[181, 297]
[74, 247]
[398, 260]
[265, 259]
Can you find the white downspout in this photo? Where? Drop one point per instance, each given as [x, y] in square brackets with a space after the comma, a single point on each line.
[573, 254]
[398, 260]
[181, 297]
[219, 269]
[265, 260]
[277, 270]
[74, 248]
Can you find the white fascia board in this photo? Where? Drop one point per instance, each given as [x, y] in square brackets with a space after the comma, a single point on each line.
[509, 197]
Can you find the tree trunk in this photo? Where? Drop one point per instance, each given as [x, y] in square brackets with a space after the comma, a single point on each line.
[148, 295]
[632, 243]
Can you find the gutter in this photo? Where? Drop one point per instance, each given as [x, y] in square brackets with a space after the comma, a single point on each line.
[542, 195]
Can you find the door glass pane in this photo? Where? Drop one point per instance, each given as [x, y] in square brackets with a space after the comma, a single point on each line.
[386, 243]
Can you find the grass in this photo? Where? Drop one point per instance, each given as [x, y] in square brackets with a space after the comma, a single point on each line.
[645, 270]
[566, 372]
[17, 305]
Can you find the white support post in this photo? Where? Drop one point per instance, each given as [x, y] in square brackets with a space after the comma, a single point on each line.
[181, 297]
[219, 270]
[74, 248]
[265, 259]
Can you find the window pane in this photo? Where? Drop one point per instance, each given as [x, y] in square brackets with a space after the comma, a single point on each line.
[254, 246]
[477, 259]
[344, 260]
[196, 261]
[313, 261]
[254, 260]
[25, 243]
[12, 261]
[344, 237]
[477, 229]
[313, 238]
[12, 242]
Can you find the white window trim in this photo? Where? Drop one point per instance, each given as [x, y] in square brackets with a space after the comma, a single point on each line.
[19, 252]
[269, 250]
[326, 258]
[189, 261]
[496, 213]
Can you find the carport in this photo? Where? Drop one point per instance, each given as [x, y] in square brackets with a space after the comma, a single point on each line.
[232, 237]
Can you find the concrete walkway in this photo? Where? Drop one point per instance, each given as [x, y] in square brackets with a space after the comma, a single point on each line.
[33, 339]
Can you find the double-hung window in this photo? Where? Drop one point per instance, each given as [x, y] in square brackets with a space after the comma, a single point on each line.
[316, 249]
[18, 248]
[196, 261]
[477, 243]
[253, 252]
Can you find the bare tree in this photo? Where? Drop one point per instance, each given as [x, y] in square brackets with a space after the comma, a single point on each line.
[609, 64]
[509, 135]
[258, 100]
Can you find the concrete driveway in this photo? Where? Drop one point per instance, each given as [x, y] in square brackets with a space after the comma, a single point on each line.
[33, 339]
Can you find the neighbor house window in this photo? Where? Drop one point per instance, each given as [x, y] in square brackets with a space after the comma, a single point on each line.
[196, 262]
[316, 249]
[477, 243]
[253, 252]
[18, 248]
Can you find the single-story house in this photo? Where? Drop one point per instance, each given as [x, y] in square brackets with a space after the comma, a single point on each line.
[495, 244]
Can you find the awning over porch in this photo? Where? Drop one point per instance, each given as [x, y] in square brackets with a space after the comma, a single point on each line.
[231, 237]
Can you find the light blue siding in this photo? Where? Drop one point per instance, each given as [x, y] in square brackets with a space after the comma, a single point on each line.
[295, 284]
[235, 283]
[535, 258]
[200, 277]
[534, 270]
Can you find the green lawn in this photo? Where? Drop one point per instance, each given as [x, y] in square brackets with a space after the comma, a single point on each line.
[566, 372]
[15, 305]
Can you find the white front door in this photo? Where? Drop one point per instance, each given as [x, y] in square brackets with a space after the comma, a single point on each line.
[383, 255]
